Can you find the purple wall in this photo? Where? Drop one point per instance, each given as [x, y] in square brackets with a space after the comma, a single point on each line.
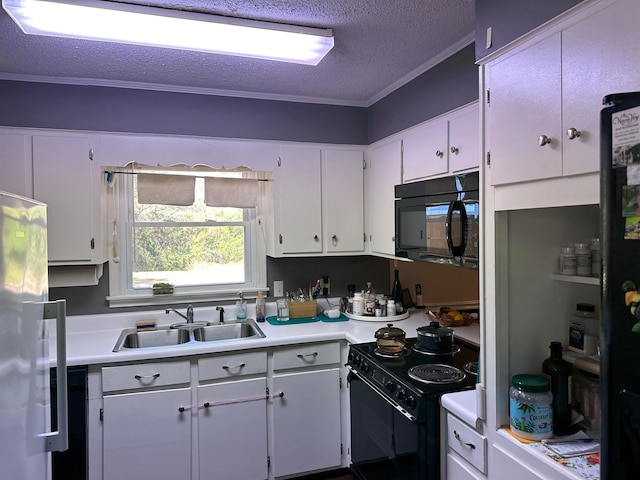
[45, 105]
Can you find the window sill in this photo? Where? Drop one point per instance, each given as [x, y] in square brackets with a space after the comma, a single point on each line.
[143, 300]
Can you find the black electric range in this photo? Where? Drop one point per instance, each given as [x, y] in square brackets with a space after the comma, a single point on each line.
[395, 407]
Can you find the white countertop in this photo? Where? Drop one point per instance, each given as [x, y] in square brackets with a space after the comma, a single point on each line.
[91, 338]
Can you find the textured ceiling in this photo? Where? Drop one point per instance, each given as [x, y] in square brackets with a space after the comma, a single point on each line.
[379, 45]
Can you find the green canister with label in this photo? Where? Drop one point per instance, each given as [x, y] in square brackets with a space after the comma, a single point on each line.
[531, 407]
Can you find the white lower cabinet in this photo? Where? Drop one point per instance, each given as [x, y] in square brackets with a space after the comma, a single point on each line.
[306, 432]
[217, 417]
[232, 430]
[458, 469]
[507, 466]
[145, 428]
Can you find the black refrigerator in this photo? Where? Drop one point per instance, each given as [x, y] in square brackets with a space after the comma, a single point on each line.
[620, 310]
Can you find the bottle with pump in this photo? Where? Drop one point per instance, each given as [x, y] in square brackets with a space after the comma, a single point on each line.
[241, 308]
[260, 308]
[396, 294]
[558, 371]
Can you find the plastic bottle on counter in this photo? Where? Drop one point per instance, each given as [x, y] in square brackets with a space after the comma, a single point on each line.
[558, 372]
[260, 307]
[391, 307]
[530, 407]
[358, 304]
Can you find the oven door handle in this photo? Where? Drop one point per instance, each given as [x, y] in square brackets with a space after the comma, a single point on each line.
[382, 394]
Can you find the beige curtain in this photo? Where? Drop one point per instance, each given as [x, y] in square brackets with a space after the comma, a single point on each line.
[231, 192]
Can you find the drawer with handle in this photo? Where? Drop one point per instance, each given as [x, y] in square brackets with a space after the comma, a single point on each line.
[232, 365]
[306, 355]
[468, 443]
[145, 375]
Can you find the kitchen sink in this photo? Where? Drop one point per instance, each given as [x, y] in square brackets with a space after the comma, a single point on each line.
[187, 334]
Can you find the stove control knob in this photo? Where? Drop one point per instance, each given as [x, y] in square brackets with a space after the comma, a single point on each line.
[401, 395]
[365, 367]
[411, 401]
[390, 386]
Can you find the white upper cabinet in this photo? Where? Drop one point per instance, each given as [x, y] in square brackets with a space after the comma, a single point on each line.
[524, 112]
[596, 55]
[445, 145]
[545, 99]
[298, 201]
[343, 193]
[383, 174]
[64, 178]
[16, 164]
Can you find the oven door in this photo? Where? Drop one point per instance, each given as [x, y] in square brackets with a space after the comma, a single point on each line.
[384, 443]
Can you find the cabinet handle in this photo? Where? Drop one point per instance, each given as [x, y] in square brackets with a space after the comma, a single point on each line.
[228, 367]
[334, 240]
[543, 140]
[141, 377]
[316, 238]
[454, 150]
[439, 153]
[467, 444]
[302, 355]
[573, 133]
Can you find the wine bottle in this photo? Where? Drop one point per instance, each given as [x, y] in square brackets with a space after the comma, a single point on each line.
[558, 371]
[396, 294]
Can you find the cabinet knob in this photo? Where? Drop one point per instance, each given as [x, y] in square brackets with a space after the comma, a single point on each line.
[439, 153]
[543, 140]
[454, 150]
[316, 238]
[334, 240]
[573, 133]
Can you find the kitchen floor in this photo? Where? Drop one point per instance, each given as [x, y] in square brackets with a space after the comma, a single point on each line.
[342, 474]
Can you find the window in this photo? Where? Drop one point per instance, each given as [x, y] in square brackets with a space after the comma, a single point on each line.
[172, 232]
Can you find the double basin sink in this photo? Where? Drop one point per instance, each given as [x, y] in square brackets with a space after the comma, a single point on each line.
[187, 333]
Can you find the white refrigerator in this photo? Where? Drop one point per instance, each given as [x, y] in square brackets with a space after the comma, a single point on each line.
[27, 320]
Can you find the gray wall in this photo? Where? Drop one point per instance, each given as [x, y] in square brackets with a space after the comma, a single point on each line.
[511, 19]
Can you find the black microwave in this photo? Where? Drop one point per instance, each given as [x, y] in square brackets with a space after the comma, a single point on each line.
[438, 220]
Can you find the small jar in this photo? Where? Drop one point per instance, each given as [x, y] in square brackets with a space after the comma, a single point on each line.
[531, 407]
[358, 303]
[391, 308]
[568, 260]
[583, 259]
[596, 257]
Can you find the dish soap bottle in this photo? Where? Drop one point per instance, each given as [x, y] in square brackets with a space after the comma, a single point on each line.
[396, 294]
[558, 372]
[241, 308]
[260, 307]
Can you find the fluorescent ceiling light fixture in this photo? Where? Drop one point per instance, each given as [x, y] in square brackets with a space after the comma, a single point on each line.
[159, 27]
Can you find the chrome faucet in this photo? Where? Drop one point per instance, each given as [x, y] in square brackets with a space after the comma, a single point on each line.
[188, 317]
[221, 314]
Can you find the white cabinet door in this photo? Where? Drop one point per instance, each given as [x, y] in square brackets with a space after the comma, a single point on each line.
[383, 174]
[464, 140]
[525, 104]
[299, 201]
[510, 467]
[62, 179]
[599, 57]
[232, 431]
[425, 150]
[343, 189]
[306, 422]
[146, 436]
[15, 165]
[458, 469]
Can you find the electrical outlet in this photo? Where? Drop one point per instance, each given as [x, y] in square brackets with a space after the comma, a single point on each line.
[325, 285]
[278, 288]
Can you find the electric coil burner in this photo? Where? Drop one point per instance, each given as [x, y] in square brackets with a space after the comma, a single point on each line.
[395, 408]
